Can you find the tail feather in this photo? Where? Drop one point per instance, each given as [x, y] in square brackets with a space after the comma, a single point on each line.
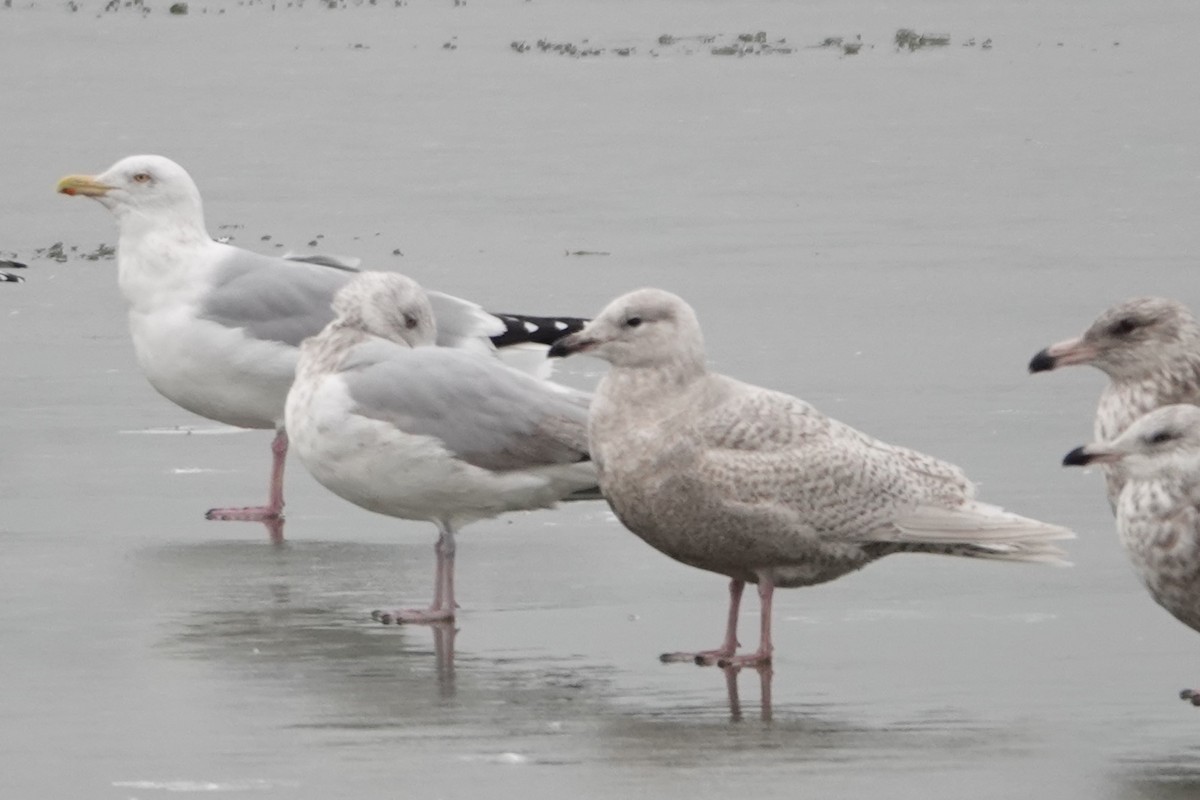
[344, 263]
[978, 530]
[591, 493]
[523, 329]
[1028, 553]
[524, 341]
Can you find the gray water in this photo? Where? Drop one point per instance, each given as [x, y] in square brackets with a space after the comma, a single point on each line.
[890, 235]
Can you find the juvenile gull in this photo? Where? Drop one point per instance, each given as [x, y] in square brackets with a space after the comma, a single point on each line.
[397, 426]
[758, 485]
[217, 328]
[1150, 349]
[1158, 510]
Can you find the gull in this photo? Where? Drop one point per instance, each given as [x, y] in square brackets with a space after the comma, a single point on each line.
[760, 486]
[217, 328]
[1150, 349]
[395, 425]
[1158, 509]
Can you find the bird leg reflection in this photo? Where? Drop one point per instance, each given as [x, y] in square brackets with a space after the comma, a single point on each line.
[443, 649]
[274, 529]
[765, 675]
[274, 507]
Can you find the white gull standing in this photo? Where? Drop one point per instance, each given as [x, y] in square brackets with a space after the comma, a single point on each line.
[1158, 509]
[387, 421]
[1149, 347]
[758, 485]
[217, 328]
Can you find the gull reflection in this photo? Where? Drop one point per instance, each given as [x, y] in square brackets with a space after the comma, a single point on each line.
[765, 675]
[443, 650]
[274, 529]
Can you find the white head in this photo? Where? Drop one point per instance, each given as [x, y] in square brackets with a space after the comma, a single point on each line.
[643, 329]
[1165, 440]
[1130, 340]
[388, 305]
[148, 189]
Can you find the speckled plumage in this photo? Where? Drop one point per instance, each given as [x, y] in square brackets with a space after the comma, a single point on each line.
[1150, 349]
[1158, 509]
[1158, 520]
[758, 485]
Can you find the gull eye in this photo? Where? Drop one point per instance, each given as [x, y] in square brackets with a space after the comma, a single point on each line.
[633, 322]
[410, 321]
[1161, 436]
[1123, 326]
[141, 177]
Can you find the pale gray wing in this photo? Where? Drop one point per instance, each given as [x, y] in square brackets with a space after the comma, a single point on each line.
[764, 446]
[347, 263]
[482, 411]
[461, 323]
[272, 298]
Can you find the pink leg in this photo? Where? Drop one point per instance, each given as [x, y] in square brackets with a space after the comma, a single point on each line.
[443, 607]
[766, 590]
[274, 506]
[448, 549]
[728, 647]
[439, 574]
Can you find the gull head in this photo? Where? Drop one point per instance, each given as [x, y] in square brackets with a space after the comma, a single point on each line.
[147, 187]
[646, 328]
[1164, 440]
[1129, 340]
[388, 305]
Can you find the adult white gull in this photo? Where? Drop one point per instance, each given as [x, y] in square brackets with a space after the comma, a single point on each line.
[217, 328]
[758, 485]
[1149, 347]
[1158, 509]
[395, 425]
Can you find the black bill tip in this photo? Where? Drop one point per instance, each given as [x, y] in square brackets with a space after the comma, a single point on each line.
[1077, 458]
[1042, 362]
[560, 348]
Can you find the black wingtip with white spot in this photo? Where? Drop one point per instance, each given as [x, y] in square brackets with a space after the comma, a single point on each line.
[6, 277]
[524, 329]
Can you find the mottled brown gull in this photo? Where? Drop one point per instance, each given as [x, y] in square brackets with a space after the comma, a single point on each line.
[393, 424]
[1150, 349]
[1158, 509]
[217, 328]
[758, 485]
